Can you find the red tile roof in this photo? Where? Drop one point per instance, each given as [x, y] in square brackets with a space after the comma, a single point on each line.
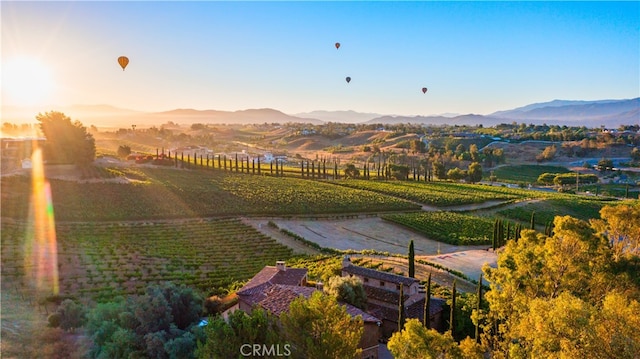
[271, 274]
[278, 298]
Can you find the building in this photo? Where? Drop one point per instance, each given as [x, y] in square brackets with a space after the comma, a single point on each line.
[274, 288]
[274, 157]
[15, 153]
[383, 297]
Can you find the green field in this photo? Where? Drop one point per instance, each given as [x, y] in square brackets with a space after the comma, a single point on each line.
[160, 193]
[103, 260]
[448, 227]
[439, 194]
[546, 210]
[524, 173]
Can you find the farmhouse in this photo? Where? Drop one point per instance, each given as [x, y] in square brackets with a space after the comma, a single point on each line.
[383, 297]
[274, 288]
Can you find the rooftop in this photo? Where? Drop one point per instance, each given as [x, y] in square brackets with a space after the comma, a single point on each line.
[278, 297]
[376, 274]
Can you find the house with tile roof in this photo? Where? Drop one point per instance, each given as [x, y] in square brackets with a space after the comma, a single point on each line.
[383, 297]
[274, 288]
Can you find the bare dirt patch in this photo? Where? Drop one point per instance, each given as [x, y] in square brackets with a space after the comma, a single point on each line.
[468, 262]
[362, 233]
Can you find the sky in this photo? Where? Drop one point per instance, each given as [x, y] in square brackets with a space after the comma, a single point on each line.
[474, 57]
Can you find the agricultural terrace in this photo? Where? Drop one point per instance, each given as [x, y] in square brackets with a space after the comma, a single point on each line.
[440, 194]
[448, 227]
[524, 173]
[161, 193]
[99, 261]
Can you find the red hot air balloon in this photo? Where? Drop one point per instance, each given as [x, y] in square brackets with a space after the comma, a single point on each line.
[123, 61]
[424, 90]
[337, 45]
[348, 79]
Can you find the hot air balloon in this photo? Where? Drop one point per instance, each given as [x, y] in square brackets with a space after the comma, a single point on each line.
[123, 61]
[424, 90]
[337, 45]
[348, 79]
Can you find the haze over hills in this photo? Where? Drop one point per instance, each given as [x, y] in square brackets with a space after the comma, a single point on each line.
[608, 113]
[604, 110]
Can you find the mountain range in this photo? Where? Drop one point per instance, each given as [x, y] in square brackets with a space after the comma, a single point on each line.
[608, 113]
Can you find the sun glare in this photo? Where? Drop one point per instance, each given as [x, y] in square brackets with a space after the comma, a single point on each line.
[26, 81]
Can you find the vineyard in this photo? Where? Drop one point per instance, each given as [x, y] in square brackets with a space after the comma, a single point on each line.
[448, 227]
[100, 261]
[561, 205]
[161, 193]
[439, 194]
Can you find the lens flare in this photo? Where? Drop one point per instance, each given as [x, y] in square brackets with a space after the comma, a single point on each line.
[41, 261]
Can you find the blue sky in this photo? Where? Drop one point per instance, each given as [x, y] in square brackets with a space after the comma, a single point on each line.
[474, 57]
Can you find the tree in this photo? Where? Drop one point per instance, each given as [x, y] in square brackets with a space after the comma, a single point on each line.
[452, 325]
[67, 142]
[547, 154]
[124, 151]
[532, 224]
[319, 327]
[544, 288]
[72, 315]
[402, 315]
[348, 290]
[351, 171]
[224, 338]
[621, 226]
[605, 164]
[546, 178]
[416, 341]
[155, 324]
[635, 154]
[399, 172]
[475, 172]
[439, 170]
[456, 174]
[412, 260]
[427, 304]
[478, 307]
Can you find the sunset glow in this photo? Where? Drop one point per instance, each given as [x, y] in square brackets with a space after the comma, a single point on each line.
[26, 81]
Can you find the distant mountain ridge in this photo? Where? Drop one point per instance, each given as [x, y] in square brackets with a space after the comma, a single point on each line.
[604, 110]
[608, 113]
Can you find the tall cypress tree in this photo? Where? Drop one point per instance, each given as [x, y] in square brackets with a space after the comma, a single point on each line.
[427, 304]
[401, 313]
[533, 220]
[452, 318]
[494, 239]
[412, 258]
[478, 304]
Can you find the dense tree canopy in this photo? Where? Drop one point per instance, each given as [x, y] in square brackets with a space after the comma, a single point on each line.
[348, 290]
[319, 327]
[67, 142]
[160, 324]
[551, 296]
